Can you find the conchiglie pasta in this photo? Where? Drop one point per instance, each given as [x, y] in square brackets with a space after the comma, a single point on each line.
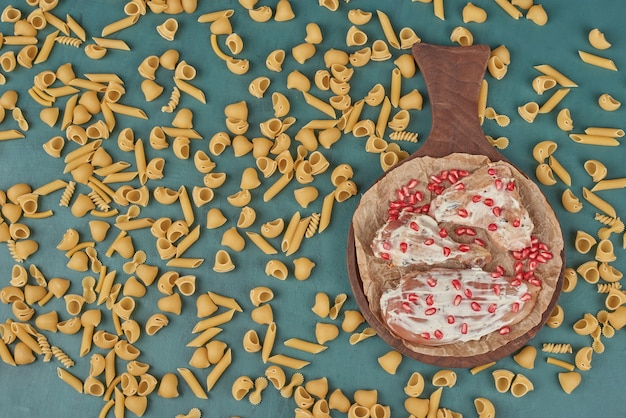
[259, 86]
[390, 361]
[251, 342]
[274, 61]
[444, 378]
[325, 332]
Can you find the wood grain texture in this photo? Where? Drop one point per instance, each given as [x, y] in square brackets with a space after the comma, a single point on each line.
[453, 77]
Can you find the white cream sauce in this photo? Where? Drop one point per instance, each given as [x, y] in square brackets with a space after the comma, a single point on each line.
[458, 297]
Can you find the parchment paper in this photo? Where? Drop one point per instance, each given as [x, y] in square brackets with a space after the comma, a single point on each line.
[377, 275]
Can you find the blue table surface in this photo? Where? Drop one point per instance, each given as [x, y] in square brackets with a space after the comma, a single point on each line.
[34, 390]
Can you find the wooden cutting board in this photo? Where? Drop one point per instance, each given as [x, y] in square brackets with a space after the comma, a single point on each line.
[453, 77]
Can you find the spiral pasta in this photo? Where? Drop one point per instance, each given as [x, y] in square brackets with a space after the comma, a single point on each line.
[100, 203]
[60, 355]
[313, 225]
[69, 40]
[66, 197]
[606, 287]
[44, 344]
[556, 348]
[403, 136]
[173, 102]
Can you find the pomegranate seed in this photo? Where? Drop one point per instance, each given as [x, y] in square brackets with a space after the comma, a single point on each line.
[488, 202]
[453, 178]
[460, 230]
[470, 232]
[443, 232]
[518, 266]
[496, 289]
[459, 186]
[492, 308]
[525, 252]
[431, 187]
[533, 254]
[491, 171]
[500, 269]
[534, 240]
[476, 198]
[405, 190]
[517, 255]
[430, 311]
[462, 213]
[516, 282]
[387, 245]
[412, 199]
[463, 173]
[547, 255]
[413, 297]
[431, 282]
[529, 275]
[425, 335]
[404, 246]
[464, 248]
[435, 179]
[499, 184]
[525, 297]
[426, 208]
[535, 282]
[439, 190]
[429, 241]
[464, 328]
[457, 300]
[515, 307]
[406, 307]
[430, 300]
[414, 226]
[543, 246]
[541, 259]
[496, 210]
[479, 241]
[456, 283]
[385, 256]
[475, 306]
[505, 330]
[495, 274]
[393, 212]
[446, 251]
[519, 276]
[400, 194]
[419, 196]
[532, 264]
[516, 223]
[468, 293]
[510, 186]
[492, 227]
[438, 334]
[444, 175]
[451, 319]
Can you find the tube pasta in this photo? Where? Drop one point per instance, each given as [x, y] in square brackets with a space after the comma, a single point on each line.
[597, 60]
[598, 202]
[553, 101]
[390, 34]
[286, 361]
[559, 170]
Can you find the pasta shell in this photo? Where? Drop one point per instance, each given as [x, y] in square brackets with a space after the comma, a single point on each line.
[473, 13]
[355, 37]
[223, 262]
[151, 90]
[284, 11]
[168, 387]
[215, 218]
[259, 86]
[274, 61]
[313, 33]
[408, 37]
[380, 51]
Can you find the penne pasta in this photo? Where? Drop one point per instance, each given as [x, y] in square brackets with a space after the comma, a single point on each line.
[597, 60]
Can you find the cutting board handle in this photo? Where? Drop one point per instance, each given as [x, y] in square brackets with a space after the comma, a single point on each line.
[453, 77]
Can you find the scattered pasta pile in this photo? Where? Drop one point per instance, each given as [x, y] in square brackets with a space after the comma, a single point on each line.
[203, 180]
